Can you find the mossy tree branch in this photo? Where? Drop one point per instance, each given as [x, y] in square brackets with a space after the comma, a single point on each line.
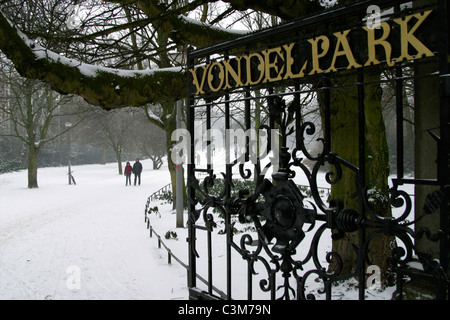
[107, 88]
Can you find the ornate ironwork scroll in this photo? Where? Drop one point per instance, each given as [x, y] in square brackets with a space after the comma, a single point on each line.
[282, 216]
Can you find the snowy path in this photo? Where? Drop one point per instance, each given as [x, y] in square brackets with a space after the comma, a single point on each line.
[82, 242]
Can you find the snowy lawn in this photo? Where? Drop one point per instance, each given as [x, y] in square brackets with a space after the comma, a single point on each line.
[84, 241]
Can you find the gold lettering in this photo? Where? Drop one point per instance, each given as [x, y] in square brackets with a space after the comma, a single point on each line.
[266, 66]
[347, 52]
[249, 68]
[199, 86]
[290, 61]
[273, 64]
[372, 42]
[235, 75]
[211, 76]
[325, 45]
[408, 37]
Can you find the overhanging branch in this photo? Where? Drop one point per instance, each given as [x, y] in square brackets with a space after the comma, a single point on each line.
[108, 88]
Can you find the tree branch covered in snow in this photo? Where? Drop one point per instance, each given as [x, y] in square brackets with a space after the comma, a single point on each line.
[104, 38]
[105, 87]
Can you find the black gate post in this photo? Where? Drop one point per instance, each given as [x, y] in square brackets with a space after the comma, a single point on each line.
[443, 162]
[192, 271]
[362, 179]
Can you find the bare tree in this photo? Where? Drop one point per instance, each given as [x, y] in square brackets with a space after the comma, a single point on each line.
[117, 129]
[31, 115]
[148, 140]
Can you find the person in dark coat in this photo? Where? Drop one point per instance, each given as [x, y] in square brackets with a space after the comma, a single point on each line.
[137, 169]
[128, 171]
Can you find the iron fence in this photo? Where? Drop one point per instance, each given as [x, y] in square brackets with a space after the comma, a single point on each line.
[266, 73]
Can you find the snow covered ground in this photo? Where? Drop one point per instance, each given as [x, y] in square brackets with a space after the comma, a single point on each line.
[89, 241]
[84, 241]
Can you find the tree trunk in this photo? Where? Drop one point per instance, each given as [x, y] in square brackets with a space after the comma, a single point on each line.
[173, 178]
[170, 127]
[119, 163]
[104, 154]
[377, 172]
[32, 167]
[344, 142]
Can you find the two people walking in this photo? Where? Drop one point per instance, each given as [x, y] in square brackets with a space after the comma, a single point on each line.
[136, 169]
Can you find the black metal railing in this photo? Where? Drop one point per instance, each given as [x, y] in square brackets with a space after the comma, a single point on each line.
[154, 196]
[171, 255]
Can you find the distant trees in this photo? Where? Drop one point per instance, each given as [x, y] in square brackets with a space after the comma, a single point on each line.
[32, 114]
[35, 120]
[151, 143]
[113, 128]
[128, 134]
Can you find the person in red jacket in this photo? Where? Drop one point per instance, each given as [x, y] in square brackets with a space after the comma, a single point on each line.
[128, 171]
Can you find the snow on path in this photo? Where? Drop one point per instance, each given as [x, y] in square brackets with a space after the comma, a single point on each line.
[86, 241]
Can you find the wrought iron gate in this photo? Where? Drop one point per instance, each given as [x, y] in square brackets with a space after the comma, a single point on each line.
[262, 218]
